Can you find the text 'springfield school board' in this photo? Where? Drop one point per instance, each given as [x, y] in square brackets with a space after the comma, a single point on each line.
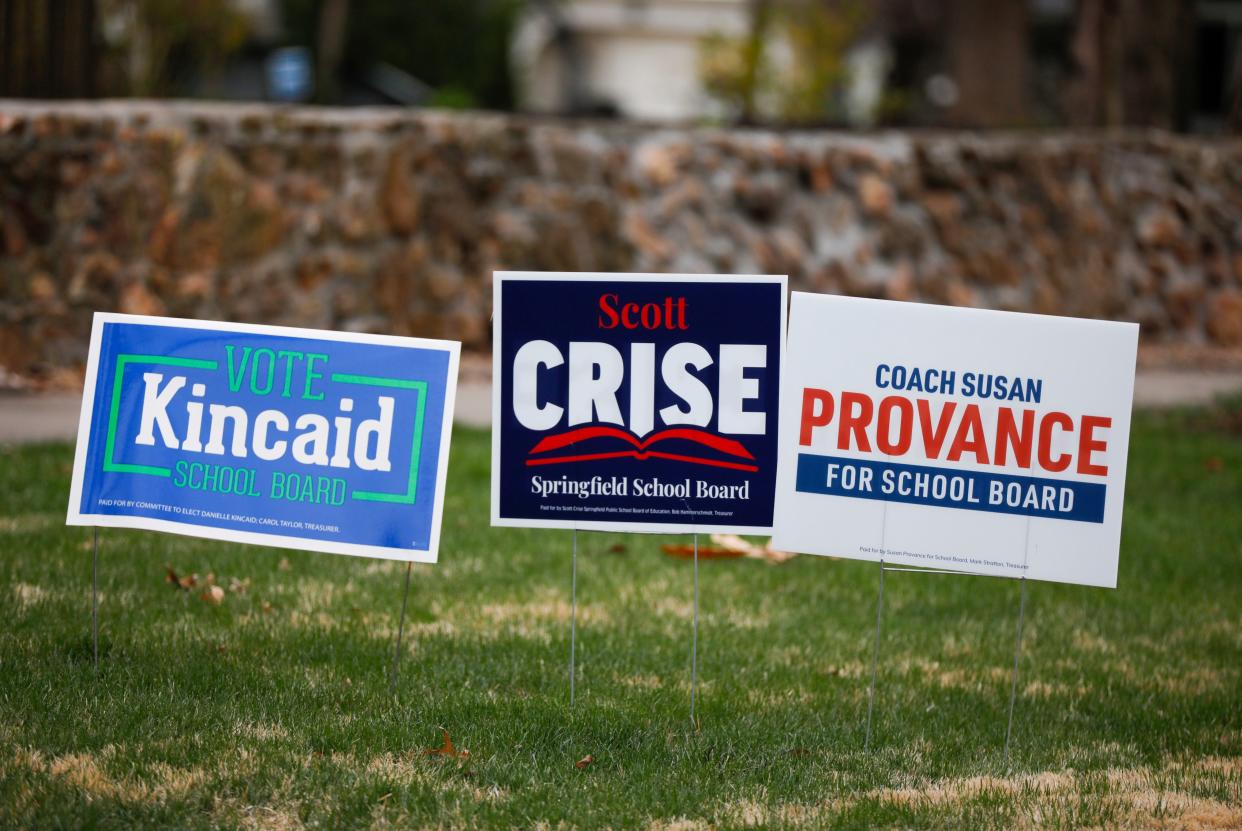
[636, 402]
[299, 438]
[963, 439]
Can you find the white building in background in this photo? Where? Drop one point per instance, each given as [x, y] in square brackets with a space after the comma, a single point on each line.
[640, 59]
[637, 58]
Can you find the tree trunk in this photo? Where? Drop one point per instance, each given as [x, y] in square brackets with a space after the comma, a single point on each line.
[987, 46]
[1233, 120]
[333, 17]
[1129, 56]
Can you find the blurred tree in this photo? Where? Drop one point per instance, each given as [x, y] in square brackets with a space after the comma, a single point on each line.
[1131, 58]
[459, 47]
[820, 34]
[568, 44]
[48, 48]
[166, 45]
[790, 63]
[333, 20]
[988, 61]
[736, 69]
[1234, 117]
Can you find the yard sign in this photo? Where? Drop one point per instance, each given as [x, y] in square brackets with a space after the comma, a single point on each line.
[636, 402]
[980, 441]
[288, 437]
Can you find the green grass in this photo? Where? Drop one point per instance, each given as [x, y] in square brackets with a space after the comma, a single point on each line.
[272, 708]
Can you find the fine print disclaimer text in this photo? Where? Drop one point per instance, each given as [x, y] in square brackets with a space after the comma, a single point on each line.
[628, 510]
[182, 512]
[954, 559]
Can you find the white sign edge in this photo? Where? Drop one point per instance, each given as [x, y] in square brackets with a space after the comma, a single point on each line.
[416, 555]
[1133, 330]
[499, 277]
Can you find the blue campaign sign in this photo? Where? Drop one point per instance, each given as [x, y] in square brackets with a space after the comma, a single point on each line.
[636, 402]
[298, 438]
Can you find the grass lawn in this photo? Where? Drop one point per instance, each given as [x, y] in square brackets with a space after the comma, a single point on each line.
[271, 709]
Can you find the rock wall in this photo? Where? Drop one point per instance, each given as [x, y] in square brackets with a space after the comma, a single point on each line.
[392, 221]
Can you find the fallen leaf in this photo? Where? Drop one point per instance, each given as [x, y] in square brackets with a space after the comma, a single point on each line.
[184, 583]
[214, 595]
[765, 552]
[733, 542]
[1214, 464]
[775, 555]
[283, 565]
[266, 607]
[729, 547]
[239, 586]
[447, 749]
[584, 762]
[618, 548]
[706, 552]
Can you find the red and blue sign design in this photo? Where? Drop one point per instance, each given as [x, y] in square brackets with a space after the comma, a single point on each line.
[958, 439]
[287, 437]
[636, 402]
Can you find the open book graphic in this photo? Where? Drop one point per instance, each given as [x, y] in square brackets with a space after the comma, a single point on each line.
[690, 442]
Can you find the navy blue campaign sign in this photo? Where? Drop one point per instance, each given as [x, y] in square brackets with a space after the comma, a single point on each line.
[636, 402]
[298, 438]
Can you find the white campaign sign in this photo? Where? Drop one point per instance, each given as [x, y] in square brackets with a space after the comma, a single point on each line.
[963, 439]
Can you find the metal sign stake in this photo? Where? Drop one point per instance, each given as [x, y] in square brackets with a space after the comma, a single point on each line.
[95, 595]
[875, 656]
[573, 620]
[694, 638]
[879, 610]
[396, 654]
[1017, 647]
[1017, 651]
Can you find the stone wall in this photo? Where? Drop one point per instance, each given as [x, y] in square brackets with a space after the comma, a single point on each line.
[392, 221]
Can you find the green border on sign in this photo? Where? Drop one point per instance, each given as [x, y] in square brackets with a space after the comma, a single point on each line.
[406, 498]
[123, 361]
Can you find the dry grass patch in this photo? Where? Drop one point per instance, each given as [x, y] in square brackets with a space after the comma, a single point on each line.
[26, 523]
[674, 606]
[551, 607]
[1090, 642]
[1228, 766]
[1184, 682]
[678, 824]
[952, 677]
[27, 595]
[642, 682]
[766, 697]
[1135, 796]
[1053, 689]
[261, 732]
[85, 773]
[416, 768]
[280, 817]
